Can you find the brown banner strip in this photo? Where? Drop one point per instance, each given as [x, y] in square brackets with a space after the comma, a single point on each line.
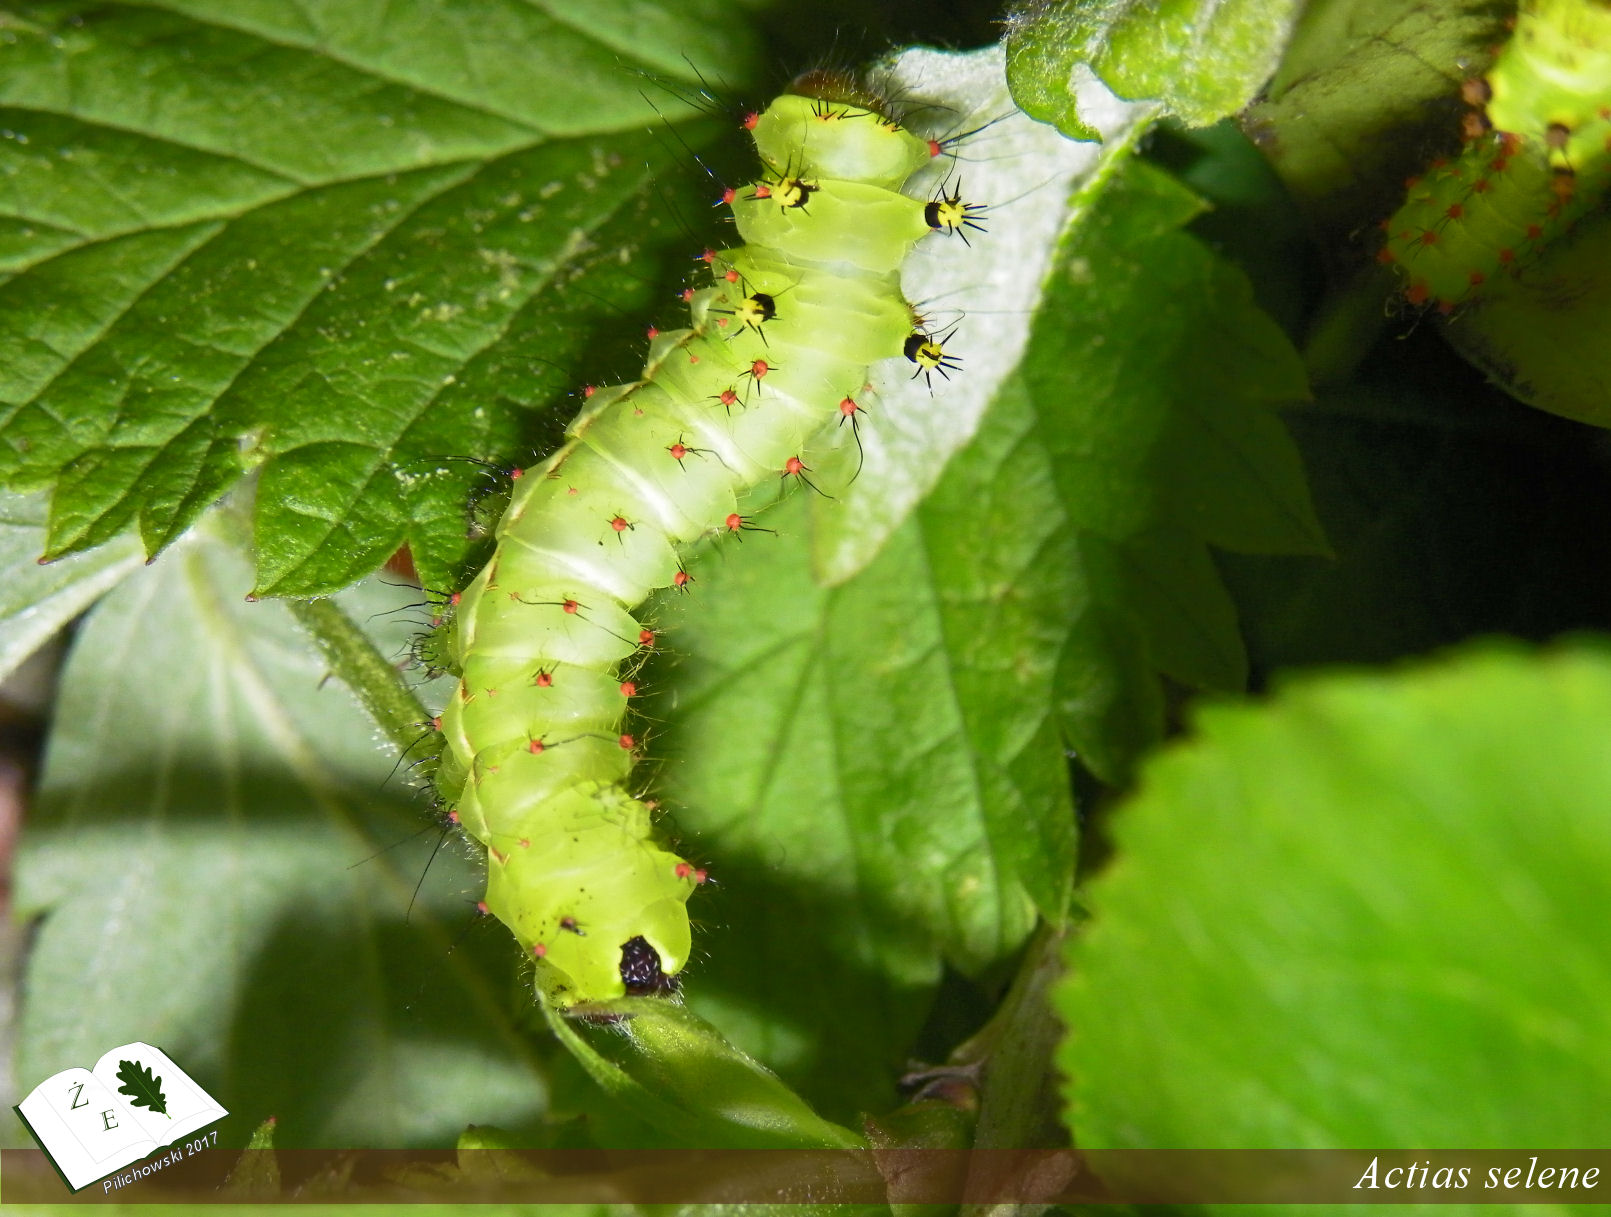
[916, 1176]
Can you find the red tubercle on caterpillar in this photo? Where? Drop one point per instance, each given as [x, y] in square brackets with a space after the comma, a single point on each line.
[797, 469]
[536, 747]
[935, 148]
[539, 949]
[687, 295]
[436, 723]
[727, 196]
[620, 524]
[627, 742]
[646, 637]
[570, 606]
[708, 256]
[588, 391]
[762, 191]
[628, 689]
[481, 907]
[751, 118]
[681, 580]
[738, 525]
[732, 276]
[678, 451]
[687, 870]
[544, 678]
[453, 816]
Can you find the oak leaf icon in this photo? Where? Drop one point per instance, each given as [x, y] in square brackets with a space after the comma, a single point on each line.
[142, 1086]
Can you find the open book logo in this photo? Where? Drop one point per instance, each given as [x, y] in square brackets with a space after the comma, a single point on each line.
[93, 1122]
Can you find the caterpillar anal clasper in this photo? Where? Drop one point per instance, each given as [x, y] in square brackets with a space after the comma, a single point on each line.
[537, 760]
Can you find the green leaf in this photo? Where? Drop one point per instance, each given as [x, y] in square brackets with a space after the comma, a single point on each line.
[1200, 61]
[676, 1071]
[1148, 404]
[875, 772]
[35, 600]
[255, 1177]
[1366, 95]
[213, 855]
[1331, 912]
[142, 1086]
[1542, 336]
[337, 247]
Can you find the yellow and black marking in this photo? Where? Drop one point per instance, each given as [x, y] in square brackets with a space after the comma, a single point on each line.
[752, 312]
[947, 213]
[794, 193]
[927, 351]
[755, 310]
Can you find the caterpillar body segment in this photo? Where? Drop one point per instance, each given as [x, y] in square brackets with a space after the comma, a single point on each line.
[1537, 159]
[538, 756]
[1556, 76]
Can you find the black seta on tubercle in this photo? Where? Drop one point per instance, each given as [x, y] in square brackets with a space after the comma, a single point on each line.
[538, 758]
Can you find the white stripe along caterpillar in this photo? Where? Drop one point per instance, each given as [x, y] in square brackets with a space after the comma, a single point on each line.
[1537, 158]
[537, 760]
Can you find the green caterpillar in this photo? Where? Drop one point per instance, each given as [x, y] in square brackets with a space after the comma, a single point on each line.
[537, 759]
[1537, 159]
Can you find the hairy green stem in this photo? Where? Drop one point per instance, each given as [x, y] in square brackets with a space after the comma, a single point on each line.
[375, 681]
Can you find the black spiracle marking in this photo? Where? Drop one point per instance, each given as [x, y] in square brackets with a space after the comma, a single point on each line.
[640, 969]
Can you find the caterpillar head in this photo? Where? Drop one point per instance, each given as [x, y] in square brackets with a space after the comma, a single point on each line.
[599, 907]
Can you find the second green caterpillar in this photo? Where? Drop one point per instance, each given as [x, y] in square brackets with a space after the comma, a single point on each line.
[537, 761]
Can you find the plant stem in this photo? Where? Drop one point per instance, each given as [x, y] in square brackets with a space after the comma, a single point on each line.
[377, 684]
